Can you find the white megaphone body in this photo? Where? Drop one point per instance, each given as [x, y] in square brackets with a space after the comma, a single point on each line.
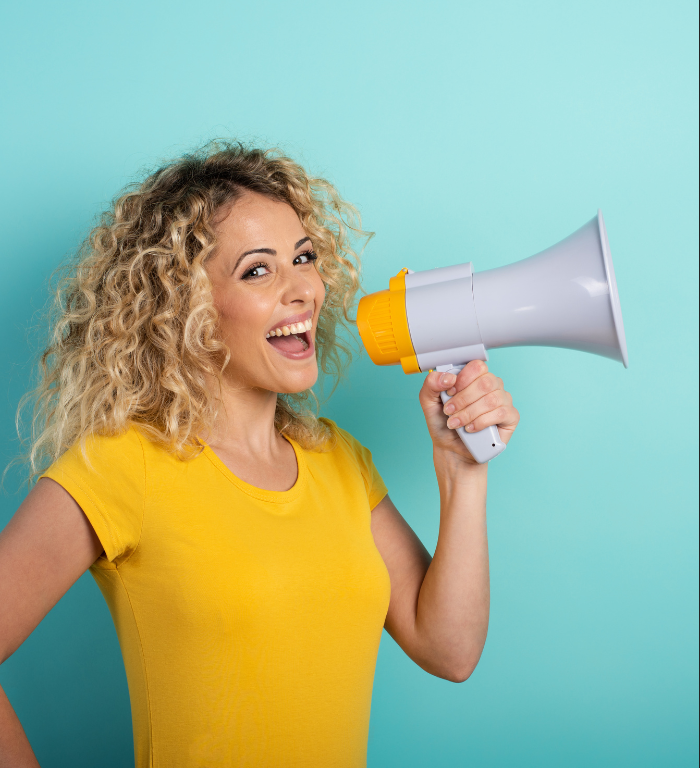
[441, 319]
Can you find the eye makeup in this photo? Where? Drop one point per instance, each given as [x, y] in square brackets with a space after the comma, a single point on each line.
[249, 274]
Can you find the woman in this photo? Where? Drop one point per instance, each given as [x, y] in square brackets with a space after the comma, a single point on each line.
[248, 551]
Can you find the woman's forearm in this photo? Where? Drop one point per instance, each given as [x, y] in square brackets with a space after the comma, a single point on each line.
[452, 613]
[15, 751]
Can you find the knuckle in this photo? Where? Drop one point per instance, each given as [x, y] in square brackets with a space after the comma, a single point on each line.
[478, 367]
[492, 401]
[485, 384]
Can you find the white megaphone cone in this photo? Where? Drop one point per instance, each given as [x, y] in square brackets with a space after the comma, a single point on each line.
[565, 296]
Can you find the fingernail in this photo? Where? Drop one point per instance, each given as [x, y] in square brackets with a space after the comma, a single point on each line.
[470, 428]
[447, 379]
[449, 408]
[452, 391]
[453, 422]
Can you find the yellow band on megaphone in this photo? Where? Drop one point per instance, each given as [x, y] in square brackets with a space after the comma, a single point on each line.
[383, 326]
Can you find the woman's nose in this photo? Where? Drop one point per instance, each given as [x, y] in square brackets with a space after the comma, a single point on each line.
[297, 288]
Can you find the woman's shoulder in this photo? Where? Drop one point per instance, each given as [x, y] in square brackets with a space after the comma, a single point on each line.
[130, 438]
[337, 433]
[105, 474]
[351, 455]
[97, 453]
[124, 443]
[344, 441]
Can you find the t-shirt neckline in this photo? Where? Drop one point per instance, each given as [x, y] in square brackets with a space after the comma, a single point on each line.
[276, 497]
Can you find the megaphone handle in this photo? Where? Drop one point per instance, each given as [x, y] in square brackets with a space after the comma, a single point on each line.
[483, 445]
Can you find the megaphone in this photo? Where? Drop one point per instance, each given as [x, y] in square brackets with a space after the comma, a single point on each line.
[441, 319]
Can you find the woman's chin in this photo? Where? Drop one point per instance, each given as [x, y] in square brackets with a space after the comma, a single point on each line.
[290, 382]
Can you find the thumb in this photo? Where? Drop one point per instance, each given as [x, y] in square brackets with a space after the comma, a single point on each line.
[433, 384]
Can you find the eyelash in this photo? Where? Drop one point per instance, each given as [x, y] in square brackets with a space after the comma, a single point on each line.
[310, 255]
[247, 274]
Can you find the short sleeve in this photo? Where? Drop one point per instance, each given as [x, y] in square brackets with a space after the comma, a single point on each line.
[375, 486]
[109, 486]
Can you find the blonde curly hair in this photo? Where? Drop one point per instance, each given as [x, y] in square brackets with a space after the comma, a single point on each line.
[133, 328]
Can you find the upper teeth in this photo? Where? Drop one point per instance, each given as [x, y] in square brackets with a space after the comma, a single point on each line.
[285, 330]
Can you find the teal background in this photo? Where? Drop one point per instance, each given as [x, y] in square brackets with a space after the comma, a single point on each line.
[463, 131]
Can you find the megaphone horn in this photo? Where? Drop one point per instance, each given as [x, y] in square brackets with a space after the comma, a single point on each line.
[565, 296]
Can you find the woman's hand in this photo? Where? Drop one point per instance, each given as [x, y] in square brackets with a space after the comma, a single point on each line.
[477, 400]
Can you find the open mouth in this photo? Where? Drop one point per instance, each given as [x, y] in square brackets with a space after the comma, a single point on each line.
[292, 339]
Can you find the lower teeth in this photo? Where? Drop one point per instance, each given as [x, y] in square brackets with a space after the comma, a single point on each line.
[303, 341]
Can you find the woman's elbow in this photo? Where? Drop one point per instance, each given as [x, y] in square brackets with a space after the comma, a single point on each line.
[454, 662]
[454, 672]
[463, 674]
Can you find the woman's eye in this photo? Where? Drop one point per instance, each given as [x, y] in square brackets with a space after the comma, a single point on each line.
[305, 258]
[257, 270]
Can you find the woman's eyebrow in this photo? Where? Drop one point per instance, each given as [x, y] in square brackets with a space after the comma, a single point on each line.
[268, 251]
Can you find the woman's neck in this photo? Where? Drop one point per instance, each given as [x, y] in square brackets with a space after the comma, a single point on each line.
[246, 440]
[246, 421]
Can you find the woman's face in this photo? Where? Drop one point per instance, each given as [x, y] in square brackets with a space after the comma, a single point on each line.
[265, 283]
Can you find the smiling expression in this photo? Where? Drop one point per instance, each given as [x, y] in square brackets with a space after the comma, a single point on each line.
[268, 294]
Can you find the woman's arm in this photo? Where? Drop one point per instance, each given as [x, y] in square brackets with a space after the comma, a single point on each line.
[44, 549]
[439, 607]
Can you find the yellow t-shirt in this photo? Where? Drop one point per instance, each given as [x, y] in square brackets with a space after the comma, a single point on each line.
[249, 620]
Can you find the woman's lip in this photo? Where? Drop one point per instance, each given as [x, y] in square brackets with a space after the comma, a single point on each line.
[293, 319]
[297, 355]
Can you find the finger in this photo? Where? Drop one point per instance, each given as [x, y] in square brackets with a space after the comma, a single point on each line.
[487, 404]
[435, 383]
[469, 374]
[482, 386]
[504, 417]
